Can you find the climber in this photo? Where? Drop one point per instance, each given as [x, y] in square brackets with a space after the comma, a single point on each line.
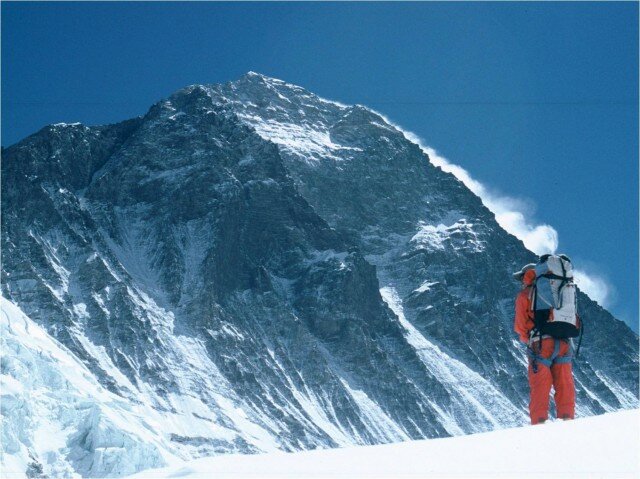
[549, 355]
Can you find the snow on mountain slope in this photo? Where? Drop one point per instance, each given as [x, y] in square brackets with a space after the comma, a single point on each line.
[257, 268]
[54, 411]
[598, 447]
[56, 416]
[475, 400]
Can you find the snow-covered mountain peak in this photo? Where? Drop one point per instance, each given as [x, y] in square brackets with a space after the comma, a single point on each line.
[305, 124]
[269, 104]
[257, 80]
[259, 77]
[258, 268]
[68, 125]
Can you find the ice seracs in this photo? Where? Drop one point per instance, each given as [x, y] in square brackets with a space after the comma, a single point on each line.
[58, 419]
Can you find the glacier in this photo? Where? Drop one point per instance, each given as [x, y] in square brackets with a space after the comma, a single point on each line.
[57, 418]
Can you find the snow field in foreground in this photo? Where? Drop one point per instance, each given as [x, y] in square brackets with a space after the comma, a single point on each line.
[595, 447]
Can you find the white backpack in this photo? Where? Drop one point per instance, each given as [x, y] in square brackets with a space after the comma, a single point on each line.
[554, 298]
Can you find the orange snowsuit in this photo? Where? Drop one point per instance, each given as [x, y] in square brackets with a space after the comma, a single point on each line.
[549, 363]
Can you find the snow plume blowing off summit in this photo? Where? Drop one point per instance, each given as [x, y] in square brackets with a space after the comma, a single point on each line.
[512, 214]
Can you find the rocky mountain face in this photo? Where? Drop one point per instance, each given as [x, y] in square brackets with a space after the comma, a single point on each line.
[257, 268]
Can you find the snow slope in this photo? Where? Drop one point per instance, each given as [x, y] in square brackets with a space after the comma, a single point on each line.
[57, 418]
[596, 447]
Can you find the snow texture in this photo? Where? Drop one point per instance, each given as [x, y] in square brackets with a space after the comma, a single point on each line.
[58, 419]
[598, 447]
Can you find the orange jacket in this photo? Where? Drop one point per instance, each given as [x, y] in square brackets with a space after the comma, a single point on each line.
[523, 321]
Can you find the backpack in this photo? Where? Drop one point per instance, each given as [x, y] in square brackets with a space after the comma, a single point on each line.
[554, 300]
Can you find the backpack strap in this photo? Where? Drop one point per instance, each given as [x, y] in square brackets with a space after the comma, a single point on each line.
[533, 295]
[554, 276]
[580, 338]
[562, 283]
[531, 351]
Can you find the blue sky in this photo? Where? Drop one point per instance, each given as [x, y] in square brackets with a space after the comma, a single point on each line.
[537, 101]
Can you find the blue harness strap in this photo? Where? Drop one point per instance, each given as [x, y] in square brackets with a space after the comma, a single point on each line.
[563, 360]
[553, 359]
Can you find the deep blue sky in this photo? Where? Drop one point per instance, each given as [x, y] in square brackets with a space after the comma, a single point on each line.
[537, 100]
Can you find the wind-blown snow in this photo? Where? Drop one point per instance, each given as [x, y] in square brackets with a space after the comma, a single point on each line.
[510, 213]
[596, 447]
[594, 286]
[311, 141]
[514, 215]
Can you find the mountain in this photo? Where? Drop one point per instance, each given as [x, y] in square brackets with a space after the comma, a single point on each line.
[268, 270]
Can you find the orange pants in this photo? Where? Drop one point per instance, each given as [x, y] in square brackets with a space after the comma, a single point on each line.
[557, 372]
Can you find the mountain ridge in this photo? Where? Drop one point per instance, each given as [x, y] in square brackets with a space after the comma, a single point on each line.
[324, 271]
